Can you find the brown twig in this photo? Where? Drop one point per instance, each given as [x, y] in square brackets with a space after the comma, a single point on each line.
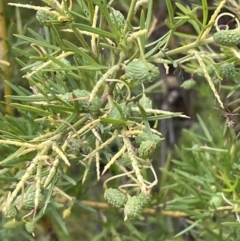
[175, 214]
[151, 211]
[4, 61]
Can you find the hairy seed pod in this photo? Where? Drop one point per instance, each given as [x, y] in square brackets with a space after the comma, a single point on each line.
[141, 72]
[115, 198]
[126, 160]
[146, 149]
[11, 212]
[133, 207]
[227, 71]
[74, 146]
[227, 37]
[117, 19]
[43, 16]
[28, 200]
[143, 199]
[61, 74]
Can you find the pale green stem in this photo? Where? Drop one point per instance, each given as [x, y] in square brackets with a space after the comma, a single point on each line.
[28, 173]
[106, 143]
[38, 187]
[207, 76]
[134, 162]
[114, 158]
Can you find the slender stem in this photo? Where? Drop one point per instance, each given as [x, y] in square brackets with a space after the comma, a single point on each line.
[4, 57]
[182, 49]
[212, 20]
[130, 14]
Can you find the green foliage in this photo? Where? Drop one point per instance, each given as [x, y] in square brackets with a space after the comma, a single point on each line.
[85, 117]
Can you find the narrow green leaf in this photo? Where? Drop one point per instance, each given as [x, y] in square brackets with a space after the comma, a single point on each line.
[15, 88]
[84, 206]
[112, 121]
[105, 12]
[205, 129]
[69, 179]
[30, 98]
[79, 15]
[81, 52]
[93, 67]
[57, 40]
[85, 10]
[188, 228]
[90, 9]
[170, 12]
[190, 177]
[190, 189]
[69, 120]
[145, 121]
[12, 156]
[30, 109]
[143, 26]
[37, 42]
[120, 110]
[8, 179]
[9, 134]
[205, 12]
[231, 224]
[22, 52]
[98, 31]
[36, 35]
[59, 220]
[182, 8]
[149, 14]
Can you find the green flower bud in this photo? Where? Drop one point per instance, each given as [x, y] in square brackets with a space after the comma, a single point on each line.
[133, 208]
[28, 200]
[11, 212]
[227, 71]
[44, 16]
[227, 37]
[146, 149]
[143, 199]
[141, 72]
[126, 160]
[115, 198]
[74, 146]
